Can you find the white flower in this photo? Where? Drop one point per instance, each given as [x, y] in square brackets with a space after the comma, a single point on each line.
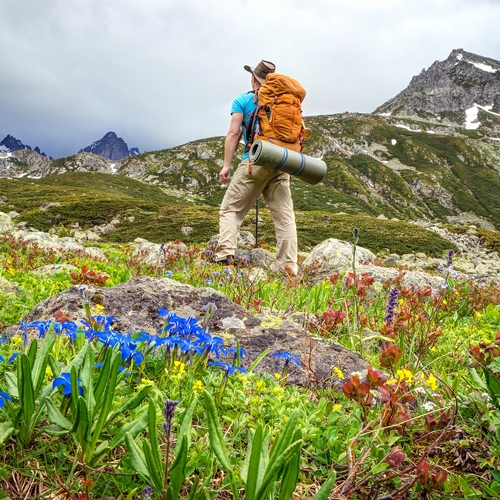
[485, 396]
[419, 390]
[429, 406]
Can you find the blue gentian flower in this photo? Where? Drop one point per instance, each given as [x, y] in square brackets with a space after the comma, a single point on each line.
[230, 369]
[13, 357]
[24, 327]
[65, 381]
[288, 357]
[4, 397]
[208, 282]
[4, 339]
[169, 273]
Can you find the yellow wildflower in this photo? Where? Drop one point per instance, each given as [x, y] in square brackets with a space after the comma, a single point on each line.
[336, 408]
[278, 390]
[179, 366]
[391, 381]
[405, 374]
[48, 372]
[432, 382]
[16, 340]
[338, 372]
[445, 302]
[198, 386]
[277, 376]
[260, 385]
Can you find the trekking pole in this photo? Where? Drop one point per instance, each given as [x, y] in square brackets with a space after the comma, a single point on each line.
[257, 223]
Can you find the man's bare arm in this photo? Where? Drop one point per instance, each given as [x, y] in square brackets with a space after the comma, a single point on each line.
[231, 145]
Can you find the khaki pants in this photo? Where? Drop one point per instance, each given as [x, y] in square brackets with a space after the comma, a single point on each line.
[240, 196]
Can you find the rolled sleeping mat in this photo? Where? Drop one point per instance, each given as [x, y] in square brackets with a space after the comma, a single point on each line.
[306, 168]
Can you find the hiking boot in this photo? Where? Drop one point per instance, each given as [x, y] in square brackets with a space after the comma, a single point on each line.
[228, 261]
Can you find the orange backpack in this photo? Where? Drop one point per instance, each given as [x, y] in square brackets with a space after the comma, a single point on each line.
[278, 116]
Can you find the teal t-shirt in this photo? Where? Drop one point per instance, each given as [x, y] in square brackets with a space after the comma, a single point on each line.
[245, 105]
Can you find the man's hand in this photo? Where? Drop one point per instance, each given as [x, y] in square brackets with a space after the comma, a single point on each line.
[224, 174]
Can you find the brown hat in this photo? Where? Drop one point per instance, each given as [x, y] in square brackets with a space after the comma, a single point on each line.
[261, 70]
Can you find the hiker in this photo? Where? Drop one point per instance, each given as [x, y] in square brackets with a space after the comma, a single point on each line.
[248, 183]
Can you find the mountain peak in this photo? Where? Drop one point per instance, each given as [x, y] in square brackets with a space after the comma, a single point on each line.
[111, 147]
[9, 144]
[462, 85]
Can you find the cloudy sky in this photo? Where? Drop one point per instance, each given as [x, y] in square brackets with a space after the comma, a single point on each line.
[161, 73]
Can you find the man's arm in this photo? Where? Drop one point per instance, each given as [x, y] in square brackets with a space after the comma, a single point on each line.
[231, 145]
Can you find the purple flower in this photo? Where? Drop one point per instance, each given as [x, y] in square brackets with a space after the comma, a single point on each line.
[147, 492]
[168, 413]
[450, 257]
[393, 299]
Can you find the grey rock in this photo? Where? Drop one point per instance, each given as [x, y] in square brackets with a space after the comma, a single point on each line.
[245, 240]
[53, 269]
[136, 304]
[6, 224]
[332, 256]
[7, 286]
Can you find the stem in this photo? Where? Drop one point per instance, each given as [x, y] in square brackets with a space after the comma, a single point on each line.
[165, 488]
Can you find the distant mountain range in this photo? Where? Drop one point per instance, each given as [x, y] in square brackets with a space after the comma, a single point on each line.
[10, 144]
[110, 147]
[431, 153]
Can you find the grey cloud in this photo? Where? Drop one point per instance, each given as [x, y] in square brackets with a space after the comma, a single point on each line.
[161, 73]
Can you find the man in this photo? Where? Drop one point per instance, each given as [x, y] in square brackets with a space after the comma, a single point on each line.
[247, 184]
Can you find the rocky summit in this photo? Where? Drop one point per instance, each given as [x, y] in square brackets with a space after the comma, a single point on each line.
[9, 144]
[111, 147]
[463, 89]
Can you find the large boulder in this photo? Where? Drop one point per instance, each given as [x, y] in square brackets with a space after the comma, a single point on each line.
[334, 256]
[136, 304]
[6, 224]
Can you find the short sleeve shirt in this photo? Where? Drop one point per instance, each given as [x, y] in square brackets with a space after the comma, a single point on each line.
[245, 105]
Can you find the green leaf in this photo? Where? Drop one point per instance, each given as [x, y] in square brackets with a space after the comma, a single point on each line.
[252, 472]
[156, 475]
[258, 359]
[107, 400]
[132, 428]
[286, 436]
[186, 422]
[177, 470]
[104, 371]
[138, 460]
[6, 430]
[56, 417]
[26, 397]
[55, 430]
[217, 440]
[153, 439]
[324, 491]
[291, 472]
[215, 433]
[41, 360]
[12, 384]
[131, 404]
[276, 465]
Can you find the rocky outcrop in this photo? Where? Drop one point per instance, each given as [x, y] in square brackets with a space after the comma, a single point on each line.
[136, 304]
[461, 82]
